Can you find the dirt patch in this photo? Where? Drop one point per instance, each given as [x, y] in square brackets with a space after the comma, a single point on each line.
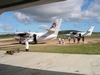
[11, 41]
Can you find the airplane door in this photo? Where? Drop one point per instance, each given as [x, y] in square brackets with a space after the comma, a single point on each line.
[35, 38]
[79, 34]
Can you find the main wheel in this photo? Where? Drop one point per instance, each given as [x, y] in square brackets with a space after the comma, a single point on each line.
[20, 42]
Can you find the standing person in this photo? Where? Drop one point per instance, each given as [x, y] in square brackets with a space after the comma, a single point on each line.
[27, 45]
[78, 39]
[74, 39]
[83, 39]
[59, 40]
[69, 39]
[63, 41]
[35, 39]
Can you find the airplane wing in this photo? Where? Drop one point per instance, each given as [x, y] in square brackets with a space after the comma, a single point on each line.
[15, 33]
[8, 5]
[22, 33]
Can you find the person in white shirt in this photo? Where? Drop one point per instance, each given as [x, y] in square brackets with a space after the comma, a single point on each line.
[59, 40]
[63, 41]
[27, 45]
[69, 39]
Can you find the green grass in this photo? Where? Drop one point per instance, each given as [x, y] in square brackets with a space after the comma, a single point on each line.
[72, 49]
[93, 48]
[6, 36]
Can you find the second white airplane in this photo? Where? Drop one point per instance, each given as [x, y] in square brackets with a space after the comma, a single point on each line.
[51, 33]
[76, 34]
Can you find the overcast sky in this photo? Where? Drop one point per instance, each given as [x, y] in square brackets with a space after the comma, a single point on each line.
[76, 15]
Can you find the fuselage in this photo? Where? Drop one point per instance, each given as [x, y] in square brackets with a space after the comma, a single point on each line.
[77, 34]
[51, 33]
[39, 36]
[87, 33]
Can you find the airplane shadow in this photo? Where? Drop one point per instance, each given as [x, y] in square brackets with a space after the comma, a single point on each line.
[39, 43]
[15, 70]
[8, 45]
[17, 44]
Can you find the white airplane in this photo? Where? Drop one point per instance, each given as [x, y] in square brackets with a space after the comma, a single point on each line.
[51, 33]
[76, 34]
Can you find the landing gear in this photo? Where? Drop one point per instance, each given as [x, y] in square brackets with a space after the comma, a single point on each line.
[20, 42]
[35, 42]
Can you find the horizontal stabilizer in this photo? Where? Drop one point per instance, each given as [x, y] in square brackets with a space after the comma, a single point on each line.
[44, 27]
[47, 28]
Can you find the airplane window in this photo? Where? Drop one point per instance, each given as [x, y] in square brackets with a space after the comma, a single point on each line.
[30, 36]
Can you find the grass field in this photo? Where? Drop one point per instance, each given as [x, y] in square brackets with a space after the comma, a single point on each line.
[90, 48]
[93, 48]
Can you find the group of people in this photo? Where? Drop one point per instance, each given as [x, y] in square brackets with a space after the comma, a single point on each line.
[62, 40]
[76, 39]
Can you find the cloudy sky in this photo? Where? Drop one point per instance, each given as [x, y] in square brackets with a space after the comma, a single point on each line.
[76, 15]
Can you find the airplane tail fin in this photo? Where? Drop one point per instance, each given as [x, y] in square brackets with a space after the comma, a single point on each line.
[89, 31]
[55, 27]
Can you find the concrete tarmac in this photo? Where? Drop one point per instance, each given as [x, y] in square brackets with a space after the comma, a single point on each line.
[33, 63]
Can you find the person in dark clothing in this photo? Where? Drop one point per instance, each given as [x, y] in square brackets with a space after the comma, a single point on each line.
[34, 39]
[78, 39]
[74, 39]
[80, 35]
[83, 38]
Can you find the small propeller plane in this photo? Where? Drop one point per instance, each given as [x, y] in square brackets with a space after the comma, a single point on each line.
[76, 34]
[51, 33]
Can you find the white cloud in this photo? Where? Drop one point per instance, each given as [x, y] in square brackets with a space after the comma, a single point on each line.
[22, 18]
[50, 12]
[93, 10]
[95, 6]
[6, 27]
[98, 19]
[1, 25]
[69, 10]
